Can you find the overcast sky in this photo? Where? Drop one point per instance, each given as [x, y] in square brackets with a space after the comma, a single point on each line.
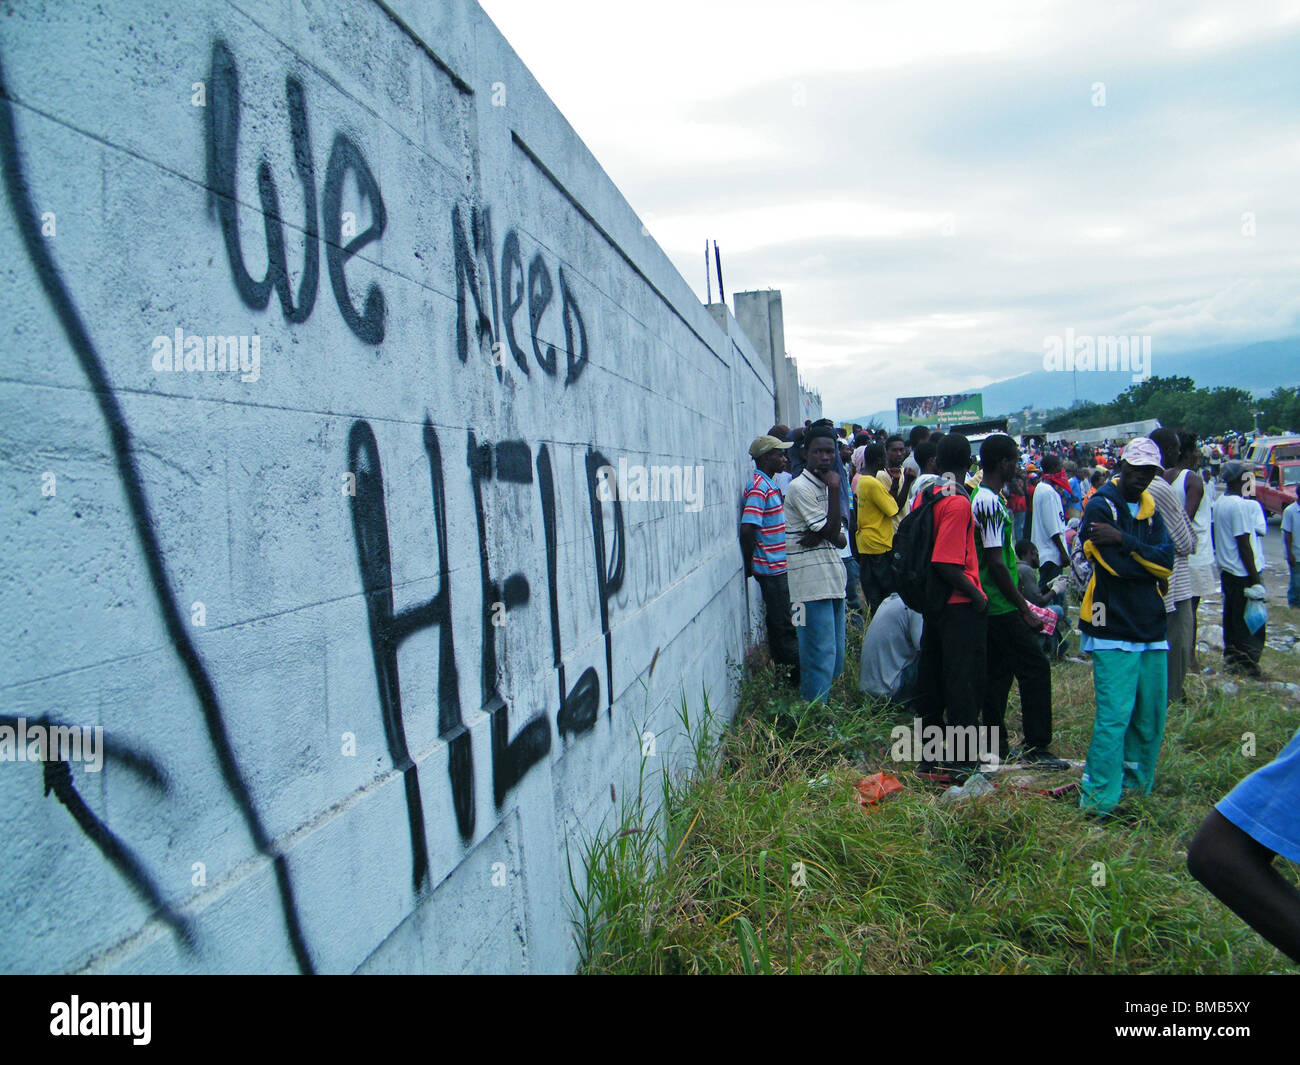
[938, 187]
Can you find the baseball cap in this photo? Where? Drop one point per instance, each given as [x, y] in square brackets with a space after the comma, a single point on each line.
[1141, 451]
[1233, 470]
[763, 444]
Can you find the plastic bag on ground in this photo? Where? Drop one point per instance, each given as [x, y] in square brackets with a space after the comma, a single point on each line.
[875, 787]
[975, 786]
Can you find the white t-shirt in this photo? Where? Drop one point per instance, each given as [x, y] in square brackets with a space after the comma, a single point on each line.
[813, 572]
[892, 643]
[918, 486]
[1049, 521]
[1291, 524]
[1233, 516]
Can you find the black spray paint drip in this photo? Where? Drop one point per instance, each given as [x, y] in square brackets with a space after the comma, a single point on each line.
[57, 776]
[17, 193]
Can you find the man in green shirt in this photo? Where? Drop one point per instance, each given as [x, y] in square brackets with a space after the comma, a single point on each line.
[1014, 645]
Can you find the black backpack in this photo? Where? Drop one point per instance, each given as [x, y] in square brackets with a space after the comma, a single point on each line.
[914, 576]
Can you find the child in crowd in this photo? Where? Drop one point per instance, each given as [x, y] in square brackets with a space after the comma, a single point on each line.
[1050, 598]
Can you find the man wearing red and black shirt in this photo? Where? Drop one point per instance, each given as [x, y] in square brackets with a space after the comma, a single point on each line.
[954, 641]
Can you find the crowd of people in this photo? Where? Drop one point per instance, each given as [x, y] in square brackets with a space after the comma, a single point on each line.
[1011, 539]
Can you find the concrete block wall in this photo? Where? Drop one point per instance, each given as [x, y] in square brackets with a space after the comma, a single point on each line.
[367, 632]
[810, 402]
[762, 317]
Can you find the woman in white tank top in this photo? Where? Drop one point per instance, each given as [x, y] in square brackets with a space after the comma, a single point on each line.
[1203, 556]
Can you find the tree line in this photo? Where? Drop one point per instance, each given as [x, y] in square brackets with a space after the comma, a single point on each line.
[1178, 403]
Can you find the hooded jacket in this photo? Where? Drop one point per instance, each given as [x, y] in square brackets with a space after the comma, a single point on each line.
[1124, 599]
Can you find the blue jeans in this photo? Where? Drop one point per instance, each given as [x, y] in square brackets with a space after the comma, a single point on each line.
[1293, 589]
[851, 578]
[821, 647]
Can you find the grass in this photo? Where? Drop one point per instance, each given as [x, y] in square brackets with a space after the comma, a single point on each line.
[761, 860]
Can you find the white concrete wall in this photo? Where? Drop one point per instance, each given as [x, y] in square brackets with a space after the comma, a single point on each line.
[762, 318]
[351, 722]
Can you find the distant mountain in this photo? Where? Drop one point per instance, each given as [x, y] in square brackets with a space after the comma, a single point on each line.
[1258, 368]
[881, 417]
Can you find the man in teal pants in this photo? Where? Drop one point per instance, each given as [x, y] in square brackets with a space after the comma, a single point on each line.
[1122, 618]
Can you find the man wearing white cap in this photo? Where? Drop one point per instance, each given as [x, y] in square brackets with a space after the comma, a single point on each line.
[1122, 618]
[762, 538]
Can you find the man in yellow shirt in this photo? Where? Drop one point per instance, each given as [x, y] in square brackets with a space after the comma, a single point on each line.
[875, 532]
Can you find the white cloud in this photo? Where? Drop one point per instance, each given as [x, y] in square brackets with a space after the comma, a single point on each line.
[825, 145]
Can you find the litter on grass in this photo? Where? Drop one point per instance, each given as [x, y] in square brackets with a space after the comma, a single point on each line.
[875, 787]
[976, 785]
[1029, 784]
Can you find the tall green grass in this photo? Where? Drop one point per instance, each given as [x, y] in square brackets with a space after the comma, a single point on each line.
[703, 879]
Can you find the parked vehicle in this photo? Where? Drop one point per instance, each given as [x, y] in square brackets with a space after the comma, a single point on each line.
[1276, 462]
[1279, 492]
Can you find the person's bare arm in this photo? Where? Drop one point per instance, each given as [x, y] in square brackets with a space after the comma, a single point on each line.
[831, 532]
[1195, 492]
[748, 541]
[1246, 549]
[904, 483]
[1059, 541]
[1238, 871]
[1002, 578]
[955, 577]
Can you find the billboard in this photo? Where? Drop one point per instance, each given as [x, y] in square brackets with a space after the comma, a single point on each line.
[940, 410]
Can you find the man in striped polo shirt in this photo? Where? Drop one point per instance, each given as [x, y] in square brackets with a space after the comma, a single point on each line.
[762, 537]
[1178, 599]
